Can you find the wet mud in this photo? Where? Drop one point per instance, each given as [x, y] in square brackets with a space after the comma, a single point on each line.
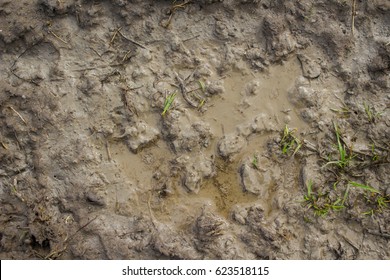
[194, 129]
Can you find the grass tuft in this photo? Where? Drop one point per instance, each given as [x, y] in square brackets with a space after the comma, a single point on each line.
[345, 155]
[168, 102]
[290, 144]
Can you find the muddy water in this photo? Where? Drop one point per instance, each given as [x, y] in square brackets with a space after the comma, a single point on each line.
[245, 97]
[248, 95]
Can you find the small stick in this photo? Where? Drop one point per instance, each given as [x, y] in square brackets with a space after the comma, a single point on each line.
[58, 37]
[177, 6]
[4, 146]
[132, 41]
[183, 91]
[20, 116]
[108, 152]
[113, 36]
[191, 38]
[95, 51]
[82, 227]
[126, 57]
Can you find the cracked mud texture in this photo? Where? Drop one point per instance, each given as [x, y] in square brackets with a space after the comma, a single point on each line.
[90, 168]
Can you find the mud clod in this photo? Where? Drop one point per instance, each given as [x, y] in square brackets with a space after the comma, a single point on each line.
[230, 145]
[310, 68]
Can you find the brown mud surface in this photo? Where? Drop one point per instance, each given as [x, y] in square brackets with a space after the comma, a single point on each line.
[194, 129]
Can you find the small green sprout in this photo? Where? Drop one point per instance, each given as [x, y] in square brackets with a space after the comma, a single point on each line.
[344, 156]
[255, 162]
[321, 203]
[364, 187]
[202, 86]
[168, 102]
[375, 198]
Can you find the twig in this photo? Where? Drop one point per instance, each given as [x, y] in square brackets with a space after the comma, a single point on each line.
[58, 37]
[173, 10]
[4, 146]
[95, 51]
[184, 91]
[132, 41]
[82, 227]
[20, 116]
[113, 36]
[126, 57]
[108, 152]
[191, 38]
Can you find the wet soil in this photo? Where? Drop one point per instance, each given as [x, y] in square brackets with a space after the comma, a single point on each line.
[194, 129]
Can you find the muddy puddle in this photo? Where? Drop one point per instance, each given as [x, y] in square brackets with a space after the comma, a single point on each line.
[245, 97]
[248, 94]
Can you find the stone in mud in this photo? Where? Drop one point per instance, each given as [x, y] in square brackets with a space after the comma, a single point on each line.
[95, 199]
[251, 180]
[215, 88]
[310, 68]
[303, 96]
[140, 135]
[230, 145]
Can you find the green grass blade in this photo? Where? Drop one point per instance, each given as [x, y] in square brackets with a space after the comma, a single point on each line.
[168, 102]
[364, 187]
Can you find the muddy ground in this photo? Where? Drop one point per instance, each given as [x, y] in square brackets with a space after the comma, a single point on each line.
[194, 129]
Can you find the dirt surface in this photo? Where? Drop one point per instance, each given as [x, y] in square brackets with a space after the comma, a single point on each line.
[194, 129]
